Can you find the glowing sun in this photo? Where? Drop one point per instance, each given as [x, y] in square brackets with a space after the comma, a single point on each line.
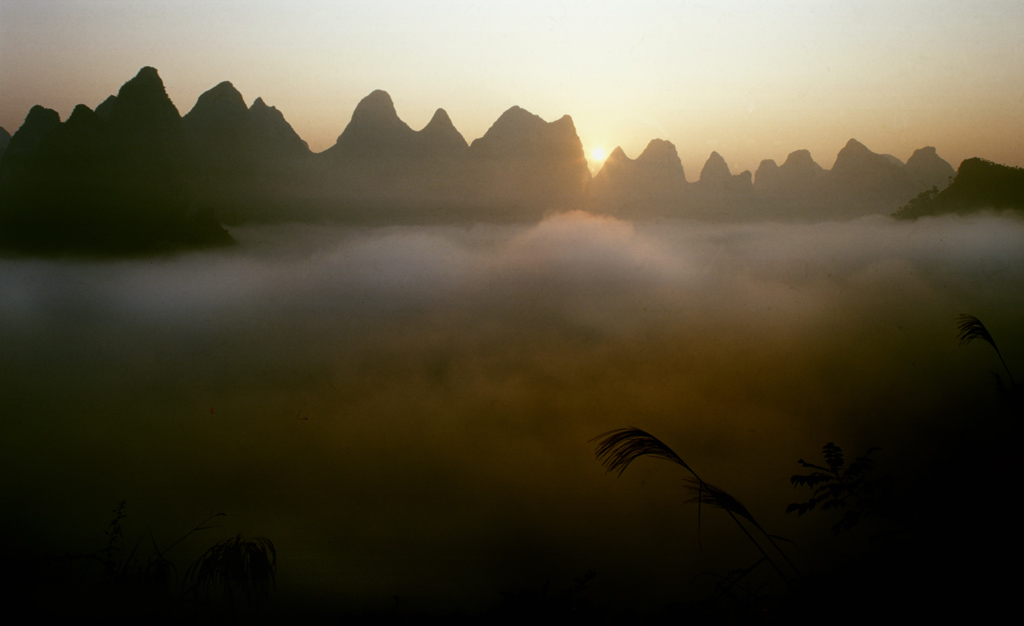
[598, 154]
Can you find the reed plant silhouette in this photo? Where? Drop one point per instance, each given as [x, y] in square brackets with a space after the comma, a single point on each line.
[616, 449]
[971, 328]
[236, 566]
[139, 582]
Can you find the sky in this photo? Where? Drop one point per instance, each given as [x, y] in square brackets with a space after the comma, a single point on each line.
[750, 80]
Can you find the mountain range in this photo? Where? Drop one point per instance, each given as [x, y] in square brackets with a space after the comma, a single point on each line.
[135, 174]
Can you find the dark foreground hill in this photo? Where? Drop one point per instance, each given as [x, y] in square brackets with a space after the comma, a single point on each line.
[113, 182]
[979, 185]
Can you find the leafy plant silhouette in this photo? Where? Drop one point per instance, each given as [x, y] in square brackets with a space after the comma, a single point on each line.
[839, 486]
[616, 449]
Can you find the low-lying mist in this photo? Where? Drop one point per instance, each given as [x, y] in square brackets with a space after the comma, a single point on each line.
[407, 411]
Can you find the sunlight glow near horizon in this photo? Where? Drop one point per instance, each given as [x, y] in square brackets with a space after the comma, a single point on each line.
[749, 80]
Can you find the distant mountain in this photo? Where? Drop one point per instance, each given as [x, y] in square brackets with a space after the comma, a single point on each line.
[133, 171]
[439, 138]
[40, 124]
[979, 185]
[928, 170]
[375, 133]
[720, 194]
[798, 178]
[106, 108]
[653, 184]
[102, 185]
[715, 173]
[523, 163]
[246, 163]
[861, 180]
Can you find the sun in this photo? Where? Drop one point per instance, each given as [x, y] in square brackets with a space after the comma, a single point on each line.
[598, 154]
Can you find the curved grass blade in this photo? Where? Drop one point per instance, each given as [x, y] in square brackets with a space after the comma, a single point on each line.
[618, 448]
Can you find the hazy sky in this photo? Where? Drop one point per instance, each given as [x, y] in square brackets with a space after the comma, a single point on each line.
[751, 80]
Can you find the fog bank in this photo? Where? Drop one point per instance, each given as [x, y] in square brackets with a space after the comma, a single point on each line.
[406, 411]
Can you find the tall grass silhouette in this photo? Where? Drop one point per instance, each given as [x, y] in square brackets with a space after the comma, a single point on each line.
[617, 449]
[971, 328]
[237, 565]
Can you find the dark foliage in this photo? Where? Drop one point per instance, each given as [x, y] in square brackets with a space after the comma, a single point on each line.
[840, 486]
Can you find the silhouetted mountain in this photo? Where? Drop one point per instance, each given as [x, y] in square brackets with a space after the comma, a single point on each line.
[273, 135]
[767, 179]
[928, 170]
[862, 180]
[653, 184]
[245, 163]
[440, 137]
[799, 177]
[374, 133]
[800, 170]
[5, 138]
[142, 109]
[39, 124]
[134, 162]
[526, 163]
[715, 172]
[979, 185]
[102, 185]
[219, 116]
[106, 108]
[718, 188]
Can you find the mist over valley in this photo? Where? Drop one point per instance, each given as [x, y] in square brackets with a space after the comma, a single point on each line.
[406, 410]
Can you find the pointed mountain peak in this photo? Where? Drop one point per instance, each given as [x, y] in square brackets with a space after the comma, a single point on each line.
[617, 155]
[219, 115]
[81, 115]
[800, 159]
[375, 108]
[41, 117]
[440, 132]
[440, 124]
[39, 123]
[564, 123]
[147, 77]
[440, 118]
[516, 119]
[374, 128]
[856, 155]
[272, 131]
[105, 108]
[224, 87]
[142, 102]
[715, 169]
[929, 169]
[853, 144]
[521, 134]
[660, 152]
[222, 101]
